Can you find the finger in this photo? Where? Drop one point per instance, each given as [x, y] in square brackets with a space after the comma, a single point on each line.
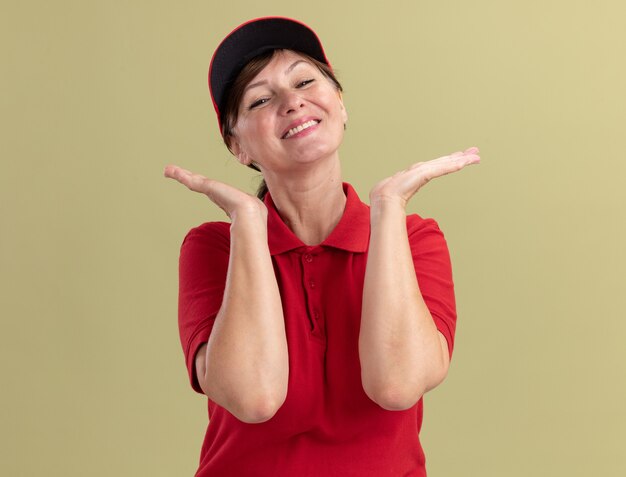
[464, 158]
[442, 159]
[198, 183]
[453, 165]
[440, 167]
[194, 182]
[472, 159]
[173, 172]
[181, 175]
[169, 170]
[455, 157]
[471, 151]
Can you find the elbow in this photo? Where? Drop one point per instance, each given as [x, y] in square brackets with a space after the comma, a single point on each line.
[392, 398]
[436, 381]
[400, 397]
[250, 402]
[258, 414]
[258, 410]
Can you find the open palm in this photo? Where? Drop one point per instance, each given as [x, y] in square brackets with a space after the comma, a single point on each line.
[404, 184]
[230, 199]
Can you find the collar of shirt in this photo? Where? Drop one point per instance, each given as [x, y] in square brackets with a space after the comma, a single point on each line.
[351, 233]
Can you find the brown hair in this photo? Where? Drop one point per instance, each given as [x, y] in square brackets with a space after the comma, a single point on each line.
[235, 93]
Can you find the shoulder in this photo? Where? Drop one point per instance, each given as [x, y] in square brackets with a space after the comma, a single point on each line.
[216, 233]
[207, 241]
[425, 236]
[422, 226]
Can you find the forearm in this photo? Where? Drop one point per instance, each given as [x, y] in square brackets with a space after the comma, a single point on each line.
[247, 358]
[399, 346]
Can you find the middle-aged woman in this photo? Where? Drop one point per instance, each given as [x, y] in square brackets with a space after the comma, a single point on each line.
[313, 322]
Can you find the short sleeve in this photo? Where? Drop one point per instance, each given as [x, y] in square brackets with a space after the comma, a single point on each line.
[433, 269]
[202, 269]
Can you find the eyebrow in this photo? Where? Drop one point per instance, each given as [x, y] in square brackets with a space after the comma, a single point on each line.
[287, 71]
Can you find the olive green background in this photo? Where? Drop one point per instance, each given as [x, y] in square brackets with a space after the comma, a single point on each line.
[97, 97]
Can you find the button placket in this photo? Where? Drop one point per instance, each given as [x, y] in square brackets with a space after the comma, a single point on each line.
[311, 291]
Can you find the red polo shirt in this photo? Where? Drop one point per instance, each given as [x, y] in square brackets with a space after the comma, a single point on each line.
[327, 426]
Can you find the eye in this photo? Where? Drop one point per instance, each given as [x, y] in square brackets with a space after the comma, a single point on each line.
[304, 83]
[258, 102]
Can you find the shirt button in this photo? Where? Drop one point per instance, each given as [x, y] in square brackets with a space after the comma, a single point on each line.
[316, 315]
[308, 257]
[312, 284]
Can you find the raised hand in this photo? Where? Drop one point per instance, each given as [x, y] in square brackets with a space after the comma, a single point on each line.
[404, 184]
[230, 199]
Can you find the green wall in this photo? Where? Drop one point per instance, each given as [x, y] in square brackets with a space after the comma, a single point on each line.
[97, 97]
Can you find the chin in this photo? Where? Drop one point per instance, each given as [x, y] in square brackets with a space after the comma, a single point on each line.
[317, 151]
[311, 157]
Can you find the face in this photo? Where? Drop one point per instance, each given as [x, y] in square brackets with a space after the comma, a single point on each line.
[290, 115]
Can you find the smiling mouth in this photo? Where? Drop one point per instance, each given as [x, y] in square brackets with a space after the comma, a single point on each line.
[301, 127]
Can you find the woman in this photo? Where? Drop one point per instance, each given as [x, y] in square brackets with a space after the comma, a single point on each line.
[313, 322]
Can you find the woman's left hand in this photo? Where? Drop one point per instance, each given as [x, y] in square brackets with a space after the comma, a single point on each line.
[404, 184]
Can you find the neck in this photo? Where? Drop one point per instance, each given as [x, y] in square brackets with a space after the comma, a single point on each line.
[310, 203]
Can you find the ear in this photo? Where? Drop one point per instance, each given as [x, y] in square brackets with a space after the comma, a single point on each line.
[343, 108]
[243, 158]
[240, 154]
[235, 148]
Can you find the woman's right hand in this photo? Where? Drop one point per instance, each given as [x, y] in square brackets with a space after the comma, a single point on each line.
[230, 199]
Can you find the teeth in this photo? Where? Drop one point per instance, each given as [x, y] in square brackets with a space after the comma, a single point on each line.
[302, 127]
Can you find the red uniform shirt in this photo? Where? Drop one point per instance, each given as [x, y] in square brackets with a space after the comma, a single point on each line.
[327, 426]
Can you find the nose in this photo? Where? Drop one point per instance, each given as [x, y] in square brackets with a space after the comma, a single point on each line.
[291, 102]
